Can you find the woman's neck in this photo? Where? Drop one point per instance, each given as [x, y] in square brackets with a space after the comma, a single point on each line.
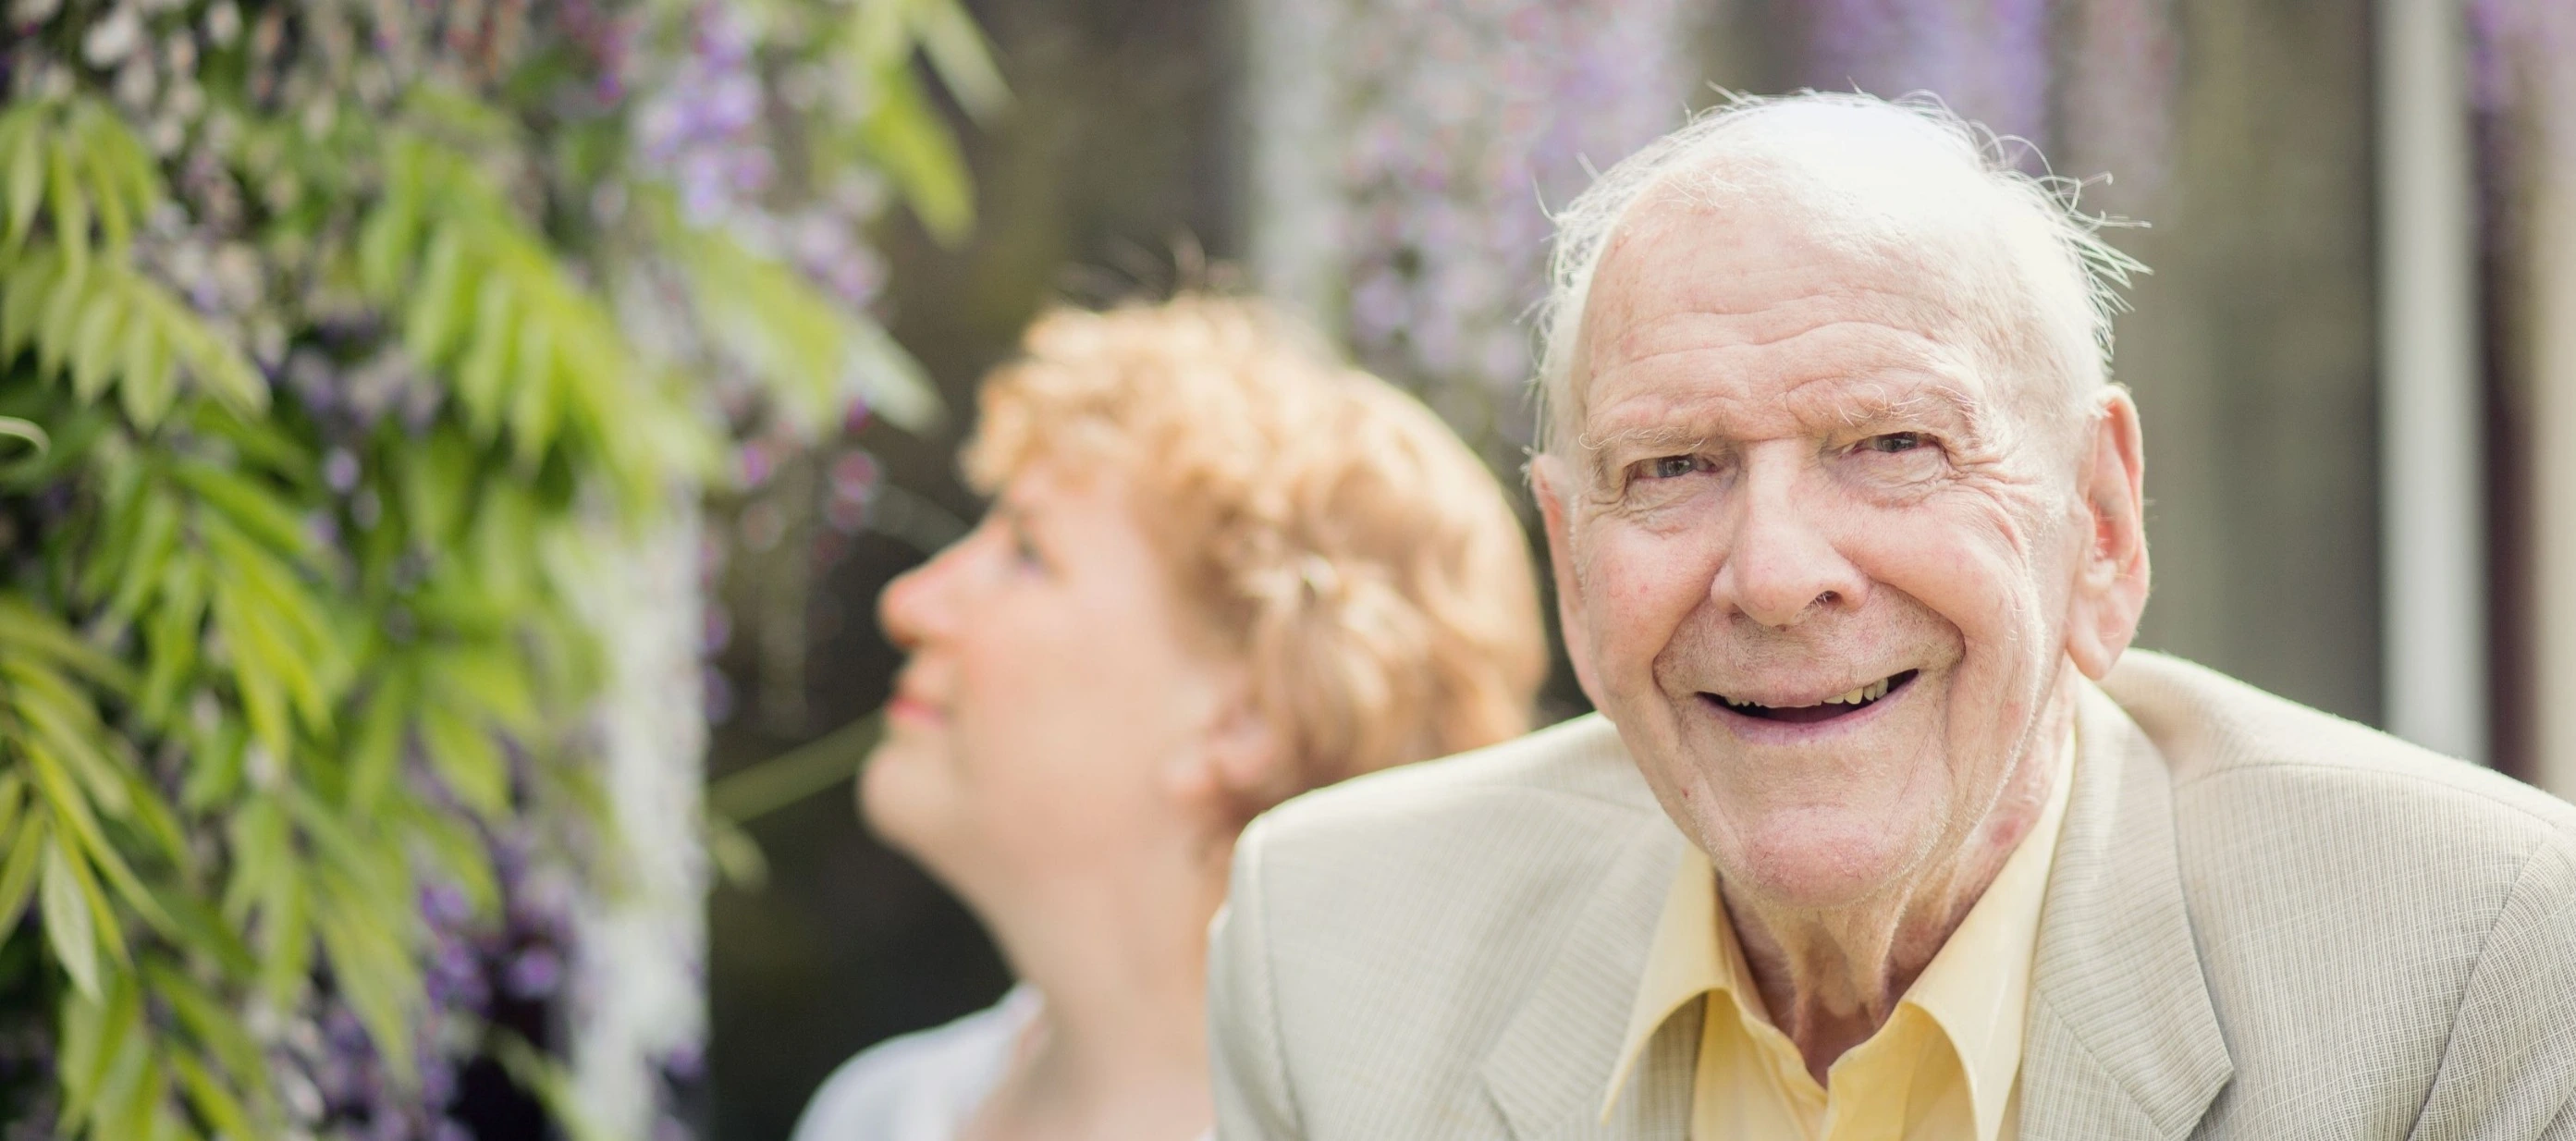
[1119, 1048]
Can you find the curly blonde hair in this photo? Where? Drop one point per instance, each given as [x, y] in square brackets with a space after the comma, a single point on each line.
[1328, 529]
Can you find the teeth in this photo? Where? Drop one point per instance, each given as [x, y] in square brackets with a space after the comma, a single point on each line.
[1861, 696]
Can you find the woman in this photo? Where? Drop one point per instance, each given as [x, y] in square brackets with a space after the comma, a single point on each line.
[1218, 571]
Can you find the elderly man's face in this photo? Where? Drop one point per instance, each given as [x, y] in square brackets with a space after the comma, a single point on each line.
[1820, 554]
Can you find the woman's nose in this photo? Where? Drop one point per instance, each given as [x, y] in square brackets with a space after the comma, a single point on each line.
[914, 607]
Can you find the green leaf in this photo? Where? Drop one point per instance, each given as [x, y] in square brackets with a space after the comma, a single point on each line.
[95, 347]
[25, 291]
[259, 512]
[13, 799]
[85, 1055]
[56, 331]
[907, 138]
[535, 405]
[547, 1078]
[436, 479]
[36, 632]
[896, 385]
[171, 638]
[214, 365]
[373, 969]
[68, 922]
[214, 1100]
[17, 429]
[490, 676]
[122, 1074]
[456, 851]
[156, 537]
[283, 633]
[70, 206]
[218, 1028]
[533, 365]
[375, 755]
[18, 869]
[23, 152]
[439, 301]
[200, 930]
[261, 855]
[485, 373]
[467, 759]
[69, 726]
[285, 935]
[386, 245]
[959, 53]
[257, 664]
[71, 812]
[110, 190]
[148, 372]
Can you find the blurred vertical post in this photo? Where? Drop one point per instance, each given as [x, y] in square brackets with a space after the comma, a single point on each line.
[2432, 515]
[639, 990]
[1293, 184]
[2552, 280]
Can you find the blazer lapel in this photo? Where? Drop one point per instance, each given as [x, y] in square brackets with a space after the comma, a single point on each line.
[1549, 1068]
[2122, 1041]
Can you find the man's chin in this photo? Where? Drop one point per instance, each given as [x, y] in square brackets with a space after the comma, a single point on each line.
[1816, 860]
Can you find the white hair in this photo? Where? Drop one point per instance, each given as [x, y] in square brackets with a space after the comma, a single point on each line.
[1839, 137]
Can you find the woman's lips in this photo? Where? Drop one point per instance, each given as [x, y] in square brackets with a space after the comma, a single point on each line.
[913, 709]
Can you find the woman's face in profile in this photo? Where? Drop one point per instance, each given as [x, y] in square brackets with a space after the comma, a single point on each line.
[1049, 697]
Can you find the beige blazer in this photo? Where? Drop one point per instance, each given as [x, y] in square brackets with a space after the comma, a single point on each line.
[2263, 922]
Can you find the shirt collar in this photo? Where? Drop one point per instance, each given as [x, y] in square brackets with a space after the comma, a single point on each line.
[1976, 989]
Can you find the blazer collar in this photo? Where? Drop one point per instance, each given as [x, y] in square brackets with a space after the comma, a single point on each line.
[2122, 1039]
[1547, 1067]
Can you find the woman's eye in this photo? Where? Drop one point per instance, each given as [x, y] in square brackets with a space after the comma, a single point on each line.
[1893, 442]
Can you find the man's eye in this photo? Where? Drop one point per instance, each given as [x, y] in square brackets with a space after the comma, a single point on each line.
[1893, 442]
[1670, 467]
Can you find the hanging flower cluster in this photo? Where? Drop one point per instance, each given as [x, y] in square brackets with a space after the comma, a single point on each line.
[1458, 125]
[1997, 62]
[343, 345]
[2519, 52]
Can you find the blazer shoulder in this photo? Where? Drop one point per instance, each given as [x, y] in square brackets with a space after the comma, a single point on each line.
[2216, 731]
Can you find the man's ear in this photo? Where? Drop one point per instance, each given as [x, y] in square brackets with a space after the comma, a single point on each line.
[2111, 571]
[1553, 481]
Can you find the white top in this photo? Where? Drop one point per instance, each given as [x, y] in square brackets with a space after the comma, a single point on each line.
[922, 1086]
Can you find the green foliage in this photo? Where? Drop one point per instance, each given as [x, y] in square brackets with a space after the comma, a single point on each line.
[270, 667]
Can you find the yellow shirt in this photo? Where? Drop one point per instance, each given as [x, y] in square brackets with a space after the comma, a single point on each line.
[1943, 1067]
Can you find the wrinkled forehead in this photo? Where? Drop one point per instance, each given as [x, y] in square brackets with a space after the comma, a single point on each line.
[1764, 245]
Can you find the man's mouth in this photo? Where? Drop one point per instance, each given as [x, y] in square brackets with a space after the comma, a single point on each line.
[1839, 705]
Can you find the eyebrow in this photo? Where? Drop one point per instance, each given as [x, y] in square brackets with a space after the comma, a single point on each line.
[1845, 411]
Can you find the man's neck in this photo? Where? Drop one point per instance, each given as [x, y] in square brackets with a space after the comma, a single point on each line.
[1830, 978]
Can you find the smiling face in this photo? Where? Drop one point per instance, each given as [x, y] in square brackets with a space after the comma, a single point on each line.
[1829, 534]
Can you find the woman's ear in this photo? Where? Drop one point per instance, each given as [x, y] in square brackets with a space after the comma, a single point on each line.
[1238, 755]
[2111, 572]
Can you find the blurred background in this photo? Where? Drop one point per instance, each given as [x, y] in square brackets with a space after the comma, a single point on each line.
[455, 450]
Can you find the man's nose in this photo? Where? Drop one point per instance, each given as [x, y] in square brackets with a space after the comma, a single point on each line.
[1779, 566]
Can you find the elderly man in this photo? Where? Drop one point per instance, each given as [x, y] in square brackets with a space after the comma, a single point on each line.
[1846, 525]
